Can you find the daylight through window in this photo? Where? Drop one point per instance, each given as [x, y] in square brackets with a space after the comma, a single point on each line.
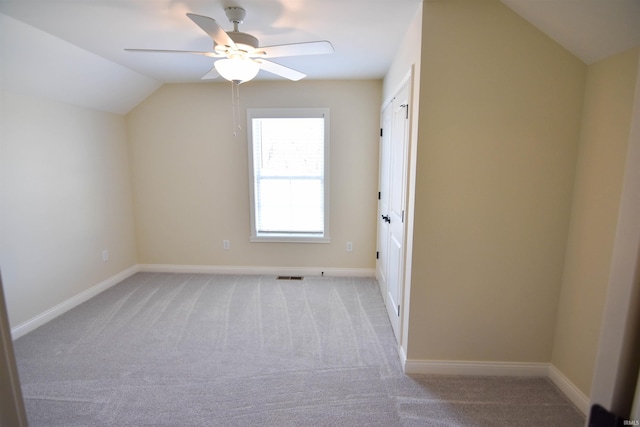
[288, 159]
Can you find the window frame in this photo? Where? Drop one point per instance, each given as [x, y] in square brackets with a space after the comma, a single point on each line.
[262, 113]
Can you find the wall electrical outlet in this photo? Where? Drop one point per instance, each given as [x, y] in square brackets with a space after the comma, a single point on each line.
[105, 255]
[226, 244]
[349, 246]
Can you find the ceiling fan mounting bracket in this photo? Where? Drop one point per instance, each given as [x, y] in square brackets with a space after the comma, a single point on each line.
[235, 14]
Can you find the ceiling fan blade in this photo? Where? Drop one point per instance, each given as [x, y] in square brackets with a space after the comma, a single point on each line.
[196, 52]
[211, 74]
[280, 70]
[211, 27]
[295, 49]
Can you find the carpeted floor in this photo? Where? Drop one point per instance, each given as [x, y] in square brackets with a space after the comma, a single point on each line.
[211, 350]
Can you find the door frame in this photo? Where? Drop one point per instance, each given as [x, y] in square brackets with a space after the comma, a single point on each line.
[617, 354]
[12, 410]
[403, 296]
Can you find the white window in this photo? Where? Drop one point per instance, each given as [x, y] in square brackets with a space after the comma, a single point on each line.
[289, 174]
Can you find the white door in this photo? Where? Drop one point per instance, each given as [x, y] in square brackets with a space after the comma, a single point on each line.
[392, 209]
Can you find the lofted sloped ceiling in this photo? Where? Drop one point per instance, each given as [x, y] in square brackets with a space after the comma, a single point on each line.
[81, 42]
[590, 29]
[36, 63]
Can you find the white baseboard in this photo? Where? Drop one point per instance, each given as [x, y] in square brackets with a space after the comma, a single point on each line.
[276, 271]
[569, 389]
[445, 367]
[64, 306]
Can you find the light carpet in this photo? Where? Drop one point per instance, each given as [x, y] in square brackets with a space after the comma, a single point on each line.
[214, 350]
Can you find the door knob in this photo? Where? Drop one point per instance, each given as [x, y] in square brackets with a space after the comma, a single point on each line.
[386, 218]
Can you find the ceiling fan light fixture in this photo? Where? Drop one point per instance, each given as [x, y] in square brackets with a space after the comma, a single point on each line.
[237, 69]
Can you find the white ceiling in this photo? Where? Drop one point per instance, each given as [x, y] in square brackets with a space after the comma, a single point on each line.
[364, 32]
[92, 35]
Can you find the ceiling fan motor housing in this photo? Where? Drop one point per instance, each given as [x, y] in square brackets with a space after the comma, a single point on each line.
[243, 40]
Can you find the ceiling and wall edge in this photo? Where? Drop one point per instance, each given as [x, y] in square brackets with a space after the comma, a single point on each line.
[54, 73]
[44, 63]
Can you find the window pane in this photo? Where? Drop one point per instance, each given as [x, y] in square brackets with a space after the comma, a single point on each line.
[290, 205]
[289, 147]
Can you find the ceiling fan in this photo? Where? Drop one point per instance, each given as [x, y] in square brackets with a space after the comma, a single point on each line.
[239, 55]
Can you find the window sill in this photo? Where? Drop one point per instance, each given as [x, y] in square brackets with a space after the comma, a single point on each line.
[288, 239]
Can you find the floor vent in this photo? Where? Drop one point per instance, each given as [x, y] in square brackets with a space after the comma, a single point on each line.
[290, 277]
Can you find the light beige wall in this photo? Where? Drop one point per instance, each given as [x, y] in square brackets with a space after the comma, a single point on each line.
[66, 196]
[608, 104]
[12, 410]
[408, 55]
[190, 177]
[499, 124]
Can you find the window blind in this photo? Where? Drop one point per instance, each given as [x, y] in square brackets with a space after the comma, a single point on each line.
[288, 163]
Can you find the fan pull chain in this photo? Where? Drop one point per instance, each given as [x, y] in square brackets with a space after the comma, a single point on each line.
[235, 106]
